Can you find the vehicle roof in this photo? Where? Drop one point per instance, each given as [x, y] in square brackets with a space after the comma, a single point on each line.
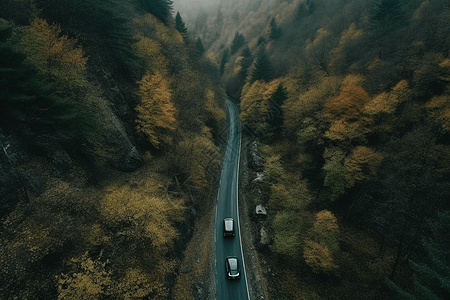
[228, 224]
[233, 262]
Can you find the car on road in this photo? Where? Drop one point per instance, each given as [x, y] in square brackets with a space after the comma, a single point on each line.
[228, 227]
[232, 268]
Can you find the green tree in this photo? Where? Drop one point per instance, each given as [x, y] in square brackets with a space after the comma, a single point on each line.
[28, 101]
[432, 279]
[275, 111]
[100, 24]
[334, 173]
[275, 31]
[387, 16]
[223, 61]
[236, 82]
[262, 68]
[246, 62]
[199, 46]
[161, 9]
[237, 43]
[179, 25]
[288, 227]
[261, 40]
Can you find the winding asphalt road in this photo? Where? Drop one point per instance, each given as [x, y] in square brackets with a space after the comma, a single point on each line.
[227, 206]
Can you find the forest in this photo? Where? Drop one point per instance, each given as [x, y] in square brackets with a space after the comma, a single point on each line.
[107, 109]
[349, 102]
[111, 122]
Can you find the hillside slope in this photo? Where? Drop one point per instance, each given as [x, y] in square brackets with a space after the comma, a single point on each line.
[348, 102]
[109, 126]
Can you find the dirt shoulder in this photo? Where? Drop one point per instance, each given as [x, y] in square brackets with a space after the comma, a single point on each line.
[254, 262]
[196, 277]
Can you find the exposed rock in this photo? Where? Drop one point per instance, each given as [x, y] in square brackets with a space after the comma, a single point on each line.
[259, 177]
[193, 211]
[256, 161]
[132, 160]
[124, 155]
[261, 210]
[198, 291]
[265, 239]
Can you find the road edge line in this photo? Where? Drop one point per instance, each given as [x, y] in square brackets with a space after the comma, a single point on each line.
[237, 204]
[217, 206]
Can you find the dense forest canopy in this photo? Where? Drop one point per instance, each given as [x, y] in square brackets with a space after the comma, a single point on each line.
[107, 109]
[350, 103]
[110, 121]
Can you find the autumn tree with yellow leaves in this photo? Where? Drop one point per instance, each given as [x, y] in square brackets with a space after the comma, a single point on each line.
[156, 113]
[322, 243]
[54, 54]
[354, 106]
[68, 81]
[344, 112]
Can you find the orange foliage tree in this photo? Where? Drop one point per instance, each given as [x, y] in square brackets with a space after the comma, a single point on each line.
[156, 113]
[345, 112]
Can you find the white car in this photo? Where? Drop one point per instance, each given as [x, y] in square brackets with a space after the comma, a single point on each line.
[228, 227]
[232, 268]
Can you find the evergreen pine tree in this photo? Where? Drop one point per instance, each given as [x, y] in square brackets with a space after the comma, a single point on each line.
[237, 43]
[161, 9]
[432, 280]
[276, 112]
[262, 68]
[246, 52]
[275, 32]
[179, 25]
[275, 116]
[100, 23]
[261, 40]
[29, 103]
[245, 63]
[223, 61]
[387, 16]
[199, 46]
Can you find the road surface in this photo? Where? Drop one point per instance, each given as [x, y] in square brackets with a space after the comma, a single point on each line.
[227, 206]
